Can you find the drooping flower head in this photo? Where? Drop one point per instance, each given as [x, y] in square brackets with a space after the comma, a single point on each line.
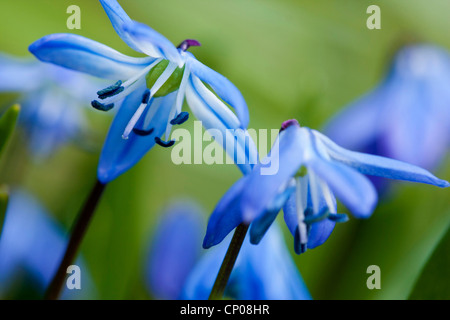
[32, 245]
[407, 116]
[52, 100]
[153, 89]
[312, 171]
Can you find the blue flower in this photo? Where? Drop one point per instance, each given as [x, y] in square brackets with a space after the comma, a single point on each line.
[407, 116]
[177, 268]
[154, 88]
[33, 243]
[263, 272]
[175, 249]
[312, 170]
[51, 98]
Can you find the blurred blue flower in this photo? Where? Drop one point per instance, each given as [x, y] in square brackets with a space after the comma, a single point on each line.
[51, 98]
[175, 269]
[262, 272]
[153, 87]
[407, 116]
[32, 243]
[312, 169]
[175, 248]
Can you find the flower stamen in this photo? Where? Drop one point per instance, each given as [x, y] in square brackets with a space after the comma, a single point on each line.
[188, 43]
[102, 106]
[180, 118]
[165, 144]
[111, 90]
[128, 86]
[142, 132]
[286, 124]
[338, 217]
[147, 96]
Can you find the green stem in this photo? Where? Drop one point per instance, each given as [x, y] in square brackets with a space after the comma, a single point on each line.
[228, 262]
[77, 234]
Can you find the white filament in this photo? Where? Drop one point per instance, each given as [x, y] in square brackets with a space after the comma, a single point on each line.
[158, 84]
[179, 101]
[131, 84]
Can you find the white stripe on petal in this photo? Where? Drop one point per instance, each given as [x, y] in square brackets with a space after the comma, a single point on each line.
[300, 206]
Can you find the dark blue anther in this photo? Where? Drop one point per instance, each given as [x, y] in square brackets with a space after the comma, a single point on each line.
[111, 90]
[141, 132]
[338, 217]
[299, 247]
[146, 96]
[312, 218]
[165, 144]
[102, 107]
[180, 118]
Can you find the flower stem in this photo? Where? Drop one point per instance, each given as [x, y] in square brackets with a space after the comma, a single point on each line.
[77, 234]
[228, 262]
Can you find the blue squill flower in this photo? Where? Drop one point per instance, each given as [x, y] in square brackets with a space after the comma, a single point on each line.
[312, 170]
[175, 249]
[154, 88]
[263, 272]
[33, 243]
[51, 98]
[407, 116]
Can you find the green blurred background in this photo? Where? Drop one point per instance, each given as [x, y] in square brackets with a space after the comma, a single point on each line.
[290, 59]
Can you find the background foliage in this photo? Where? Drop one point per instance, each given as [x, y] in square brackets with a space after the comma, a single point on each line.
[291, 59]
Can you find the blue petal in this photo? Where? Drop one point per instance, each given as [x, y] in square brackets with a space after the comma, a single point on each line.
[119, 155]
[351, 187]
[31, 241]
[267, 271]
[416, 130]
[175, 249]
[29, 238]
[226, 90]
[201, 280]
[50, 120]
[152, 43]
[19, 75]
[380, 166]
[81, 54]
[118, 19]
[359, 124]
[259, 227]
[406, 116]
[262, 188]
[215, 115]
[319, 231]
[226, 216]
[290, 214]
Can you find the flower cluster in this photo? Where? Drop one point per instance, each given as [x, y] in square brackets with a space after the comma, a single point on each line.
[406, 118]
